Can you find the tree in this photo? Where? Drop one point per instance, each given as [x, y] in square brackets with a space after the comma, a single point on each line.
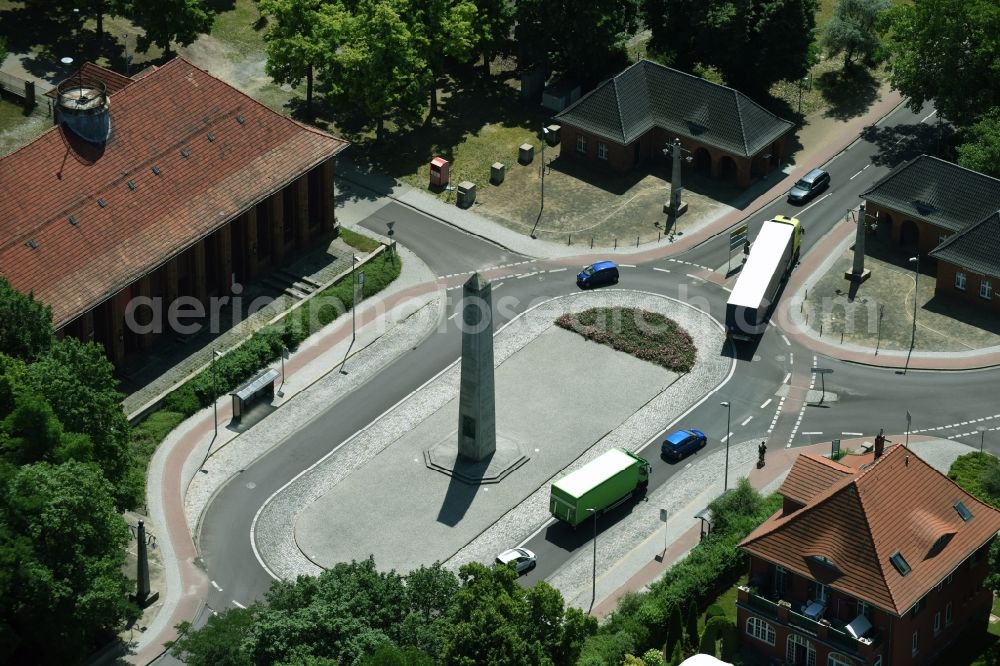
[945, 51]
[709, 638]
[494, 19]
[293, 42]
[675, 629]
[221, 642]
[691, 627]
[167, 21]
[376, 71]
[652, 657]
[25, 324]
[443, 29]
[65, 542]
[590, 44]
[676, 27]
[676, 656]
[854, 29]
[532, 33]
[981, 152]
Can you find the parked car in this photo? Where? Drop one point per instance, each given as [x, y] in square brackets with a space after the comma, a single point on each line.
[595, 275]
[681, 443]
[522, 559]
[809, 186]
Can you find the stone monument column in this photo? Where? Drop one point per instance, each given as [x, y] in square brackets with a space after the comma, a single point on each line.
[477, 438]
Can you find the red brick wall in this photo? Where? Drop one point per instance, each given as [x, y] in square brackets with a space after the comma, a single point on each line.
[946, 286]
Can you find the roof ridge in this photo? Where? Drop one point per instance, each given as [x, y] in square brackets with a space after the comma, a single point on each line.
[955, 237]
[959, 166]
[833, 464]
[618, 103]
[743, 128]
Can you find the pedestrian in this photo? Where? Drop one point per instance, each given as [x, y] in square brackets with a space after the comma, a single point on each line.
[746, 248]
[761, 450]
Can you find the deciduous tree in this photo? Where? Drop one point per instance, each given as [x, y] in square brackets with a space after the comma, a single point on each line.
[854, 29]
[492, 25]
[981, 152]
[167, 21]
[443, 29]
[25, 324]
[294, 42]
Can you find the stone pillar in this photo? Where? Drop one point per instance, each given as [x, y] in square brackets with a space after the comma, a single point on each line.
[142, 597]
[143, 290]
[198, 271]
[250, 249]
[476, 404]
[328, 196]
[277, 229]
[224, 238]
[302, 211]
[117, 327]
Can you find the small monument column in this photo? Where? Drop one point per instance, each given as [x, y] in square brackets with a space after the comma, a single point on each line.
[143, 597]
[477, 437]
[858, 272]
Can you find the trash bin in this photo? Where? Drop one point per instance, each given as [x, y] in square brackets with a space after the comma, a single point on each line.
[497, 173]
[439, 172]
[466, 194]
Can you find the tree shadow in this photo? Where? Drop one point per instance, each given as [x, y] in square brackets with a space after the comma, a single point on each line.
[849, 92]
[902, 143]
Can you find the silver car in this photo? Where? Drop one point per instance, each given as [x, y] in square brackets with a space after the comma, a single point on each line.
[522, 559]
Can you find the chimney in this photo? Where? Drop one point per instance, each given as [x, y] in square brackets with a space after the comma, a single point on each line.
[879, 444]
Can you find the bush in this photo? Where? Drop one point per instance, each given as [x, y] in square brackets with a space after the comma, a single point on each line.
[974, 472]
[181, 400]
[730, 641]
[715, 610]
[358, 241]
[709, 637]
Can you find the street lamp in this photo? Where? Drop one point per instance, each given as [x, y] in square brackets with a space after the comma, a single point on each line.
[215, 392]
[593, 578]
[545, 139]
[916, 283]
[354, 298]
[982, 438]
[729, 414]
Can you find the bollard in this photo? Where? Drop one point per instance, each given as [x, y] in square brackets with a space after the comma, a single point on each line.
[841, 337]
[637, 241]
[807, 295]
[657, 236]
[821, 329]
[616, 243]
[570, 242]
[591, 242]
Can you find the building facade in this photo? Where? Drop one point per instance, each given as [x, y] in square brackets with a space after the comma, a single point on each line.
[153, 195]
[877, 565]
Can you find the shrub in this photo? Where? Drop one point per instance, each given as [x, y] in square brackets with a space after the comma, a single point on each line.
[730, 641]
[971, 471]
[692, 623]
[652, 657]
[181, 400]
[358, 241]
[715, 610]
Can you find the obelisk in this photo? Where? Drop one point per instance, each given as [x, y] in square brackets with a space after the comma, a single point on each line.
[477, 436]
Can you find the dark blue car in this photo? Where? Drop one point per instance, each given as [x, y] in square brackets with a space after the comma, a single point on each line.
[595, 275]
[681, 443]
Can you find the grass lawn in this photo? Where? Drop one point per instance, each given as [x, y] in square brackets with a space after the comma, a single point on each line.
[646, 335]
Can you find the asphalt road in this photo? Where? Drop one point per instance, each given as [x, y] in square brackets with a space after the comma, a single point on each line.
[868, 398]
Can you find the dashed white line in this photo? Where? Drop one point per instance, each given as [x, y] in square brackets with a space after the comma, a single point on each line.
[726, 438]
[454, 315]
[928, 116]
[748, 419]
[811, 433]
[238, 604]
[766, 403]
[216, 586]
[627, 265]
[853, 434]
[811, 205]
[498, 285]
[662, 270]
[786, 340]
[787, 377]
[860, 172]
[557, 270]
[524, 275]
[694, 277]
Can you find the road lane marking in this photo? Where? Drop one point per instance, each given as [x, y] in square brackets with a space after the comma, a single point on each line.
[746, 421]
[454, 315]
[238, 604]
[860, 172]
[662, 270]
[726, 438]
[766, 403]
[557, 270]
[783, 337]
[929, 115]
[853, 434]
[694, 277]
[812, 204]
[811, 433]
[787, 377]
[216, 586]
[498, 285]
[526, 275]
[627, 265]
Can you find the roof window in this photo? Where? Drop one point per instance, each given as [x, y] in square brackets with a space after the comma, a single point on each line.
[184, 152]
[963, 510]
[72, 220]
[32, 244]
[923, 207]
[210, 136]
[240, 119]
[102, 203]
[900, 563]
[156, 171]
[131, 185]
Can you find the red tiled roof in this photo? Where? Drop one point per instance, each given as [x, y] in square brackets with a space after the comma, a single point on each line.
[810, 475]
[75, 267]
[898, 503]
[89, 72]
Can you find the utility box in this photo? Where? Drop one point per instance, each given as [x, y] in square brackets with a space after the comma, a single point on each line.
[552, 136]
[497, 173]
[526, 154]
[466, 194]
[439, 171]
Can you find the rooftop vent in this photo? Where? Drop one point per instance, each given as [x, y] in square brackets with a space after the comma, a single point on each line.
[32, 244]
[102, 203]
[156, 171]
[240, 119]
[210, 136]
[184, 152]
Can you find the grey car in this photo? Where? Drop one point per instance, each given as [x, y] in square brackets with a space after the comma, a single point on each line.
[809, 186]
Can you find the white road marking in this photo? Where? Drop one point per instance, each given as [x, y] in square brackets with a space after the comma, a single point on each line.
[859, 172]
[662, 270]
[766, 403]
[853, 434]
[498, 285]
[746, 421]
[787, 377]
[557, 270]
[454, 315]
[238, 604]
[627, 265]
[811, 433]
[812, 204]
[726, 438]
[524, 275]
[786, 340]
[928, 116]
[694, 277]
[216, 586]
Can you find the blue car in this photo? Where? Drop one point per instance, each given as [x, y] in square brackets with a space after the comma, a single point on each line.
[681, 443]
[595, 275]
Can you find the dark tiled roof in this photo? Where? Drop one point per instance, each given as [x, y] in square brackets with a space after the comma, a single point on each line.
[76, 264]
[89, 72]
[899, 503]
[648, 95]
[811, 475]
[976, 249]
[939, 192]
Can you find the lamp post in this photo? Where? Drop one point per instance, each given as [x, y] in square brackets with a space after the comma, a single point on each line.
[215, 392]
[593, 577]
[729, 414]
[354, 298]
[916, 283]
[982, 438]
[545, 139]
[804, 79]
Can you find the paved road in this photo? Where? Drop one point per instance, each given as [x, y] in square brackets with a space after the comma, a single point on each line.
[867, 397]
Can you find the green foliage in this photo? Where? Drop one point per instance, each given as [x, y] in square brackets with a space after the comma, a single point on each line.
[710, 637]
[443, 30]
[677, 656]
[221, 642]
[607, 648]
[854, 29]
[62, 548]
[714, 611]
[675, 628]
[392, 655]
[732, 511]
[730, 640]
[945, 51]
[25, 324]
[688, 32]
[652, 658]
[358, 241]
[970, 470]
[691, 628]
[294, 42]
[980, 150]
[167, 21]
[646, 335]
[494, 19]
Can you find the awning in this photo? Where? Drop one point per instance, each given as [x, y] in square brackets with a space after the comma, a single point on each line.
[245, 391]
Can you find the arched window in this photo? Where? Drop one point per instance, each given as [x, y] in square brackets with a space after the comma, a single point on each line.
[760, 630]
[835, 659]
[799, 651]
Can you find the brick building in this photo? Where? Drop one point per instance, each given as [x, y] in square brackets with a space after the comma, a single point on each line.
[948, 213]
[881, 565]
[630, 118]
[167, 184]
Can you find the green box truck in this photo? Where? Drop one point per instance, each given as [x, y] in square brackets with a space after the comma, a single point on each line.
[601, 484]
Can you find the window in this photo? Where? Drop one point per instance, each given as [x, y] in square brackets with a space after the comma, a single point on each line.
[799, 651]
[780, 579]
[947, 615]
[760, 630]
[878, 661]
[864, 609]
[581, 143]
[937, 623]
[822, 593]
[913, 644]
[900, 563]
[986, 289]
[835, 659]
[963, 511]
[919, 606]
[960, 281]
[602, 151]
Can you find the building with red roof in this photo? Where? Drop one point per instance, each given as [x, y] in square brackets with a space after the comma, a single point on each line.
[166, 185]
[877, 565]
